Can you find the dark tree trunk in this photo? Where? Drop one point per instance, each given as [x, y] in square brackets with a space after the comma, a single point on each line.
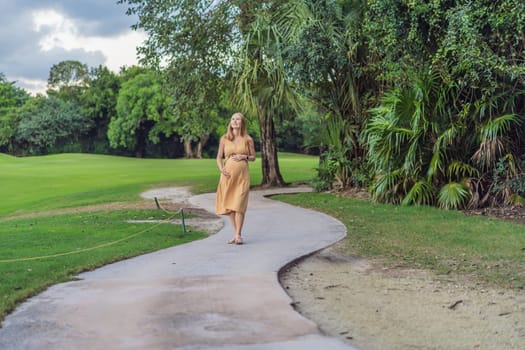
[140, 145]
[271, 175]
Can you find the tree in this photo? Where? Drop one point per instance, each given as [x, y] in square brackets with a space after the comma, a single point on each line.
[200, 41]
[189, 42]
[142, 114]
[426, 151]
[261, 84]
[46, 124]
[11, 99]
[67, 80]
[10, 95]
[334, 72]
[446, 132]
[99, 102]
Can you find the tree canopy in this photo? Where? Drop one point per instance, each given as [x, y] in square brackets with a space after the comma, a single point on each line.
[142, 113]
[421, 102]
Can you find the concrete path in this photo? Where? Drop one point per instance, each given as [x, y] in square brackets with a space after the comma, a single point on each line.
[202, 295]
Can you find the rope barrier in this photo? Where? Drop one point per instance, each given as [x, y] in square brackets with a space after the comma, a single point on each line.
[181, 211]
[78, 251]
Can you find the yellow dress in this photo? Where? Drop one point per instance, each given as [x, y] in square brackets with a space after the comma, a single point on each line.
[232, 192]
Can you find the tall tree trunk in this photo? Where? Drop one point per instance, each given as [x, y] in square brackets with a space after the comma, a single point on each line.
[140, 145]
[188, 150]
[271, 175]
[202, 141]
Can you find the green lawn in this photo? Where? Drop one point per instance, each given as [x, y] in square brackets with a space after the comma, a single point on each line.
[37, 251]
[449, 242]
[70, 180]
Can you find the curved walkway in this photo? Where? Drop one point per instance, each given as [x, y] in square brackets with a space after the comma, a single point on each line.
[202, 295]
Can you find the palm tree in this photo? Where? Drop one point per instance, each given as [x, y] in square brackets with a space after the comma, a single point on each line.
[427, 149]
[261, 85]
[331, 71]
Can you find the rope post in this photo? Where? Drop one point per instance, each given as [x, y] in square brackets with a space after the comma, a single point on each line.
[181, 214]
[182, 220]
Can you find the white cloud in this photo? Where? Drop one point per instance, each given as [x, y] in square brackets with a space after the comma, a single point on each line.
[119, 51]
[34, 86]
[60, 32]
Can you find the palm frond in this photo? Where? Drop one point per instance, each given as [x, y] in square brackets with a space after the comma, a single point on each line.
[459, 170]
[291, 17]
[421, 193]
[491, 134]
[453, 195]
[437, 163]
[439, 151]
[496, 127]
[488, 152]
[386, 187]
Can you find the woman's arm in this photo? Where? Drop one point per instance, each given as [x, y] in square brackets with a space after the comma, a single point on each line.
[251, 150]
[220, 155]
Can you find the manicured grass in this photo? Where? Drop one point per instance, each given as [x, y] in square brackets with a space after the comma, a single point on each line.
[71, 180]
[36, 184]
[67, 244]
[488, 249]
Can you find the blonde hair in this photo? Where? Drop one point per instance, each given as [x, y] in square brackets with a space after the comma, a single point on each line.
[229, 134]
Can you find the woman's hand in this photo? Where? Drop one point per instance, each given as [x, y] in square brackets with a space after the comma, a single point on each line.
[225, 173]
[239, 157]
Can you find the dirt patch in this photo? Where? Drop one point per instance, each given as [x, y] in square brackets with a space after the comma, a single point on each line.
[378, 308]
[513, 213]
[355, 193]
[89, 208]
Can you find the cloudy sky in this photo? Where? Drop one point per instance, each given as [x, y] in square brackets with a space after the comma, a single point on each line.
[35, 34]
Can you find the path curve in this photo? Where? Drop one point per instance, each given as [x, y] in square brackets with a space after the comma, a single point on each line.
[201, 295]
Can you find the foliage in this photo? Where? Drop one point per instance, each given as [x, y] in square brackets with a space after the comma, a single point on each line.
[10, 95]
[67, 80]
[333, 73]
[300, 134]
[11, 99]
[261, 84]
[471, 116]
[99, 104]
[9, 119]
[331, 68]
[142, 113]
[420, 144]
[336, 137]
[453, 196]
[48, 123]
[403, 141]
[189, 41]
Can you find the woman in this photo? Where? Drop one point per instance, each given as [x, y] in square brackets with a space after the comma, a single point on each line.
[235, 150]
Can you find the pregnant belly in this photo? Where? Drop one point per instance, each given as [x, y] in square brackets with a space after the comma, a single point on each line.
[236, 168]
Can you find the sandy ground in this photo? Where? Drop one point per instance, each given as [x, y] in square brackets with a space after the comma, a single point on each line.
[376, 308]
